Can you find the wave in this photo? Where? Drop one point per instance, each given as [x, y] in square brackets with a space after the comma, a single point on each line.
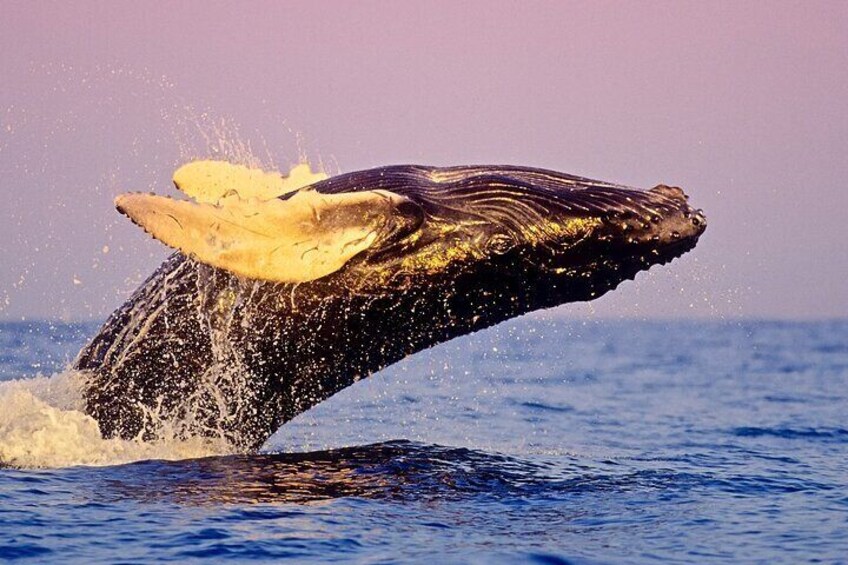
[826, 434]
[403, 471]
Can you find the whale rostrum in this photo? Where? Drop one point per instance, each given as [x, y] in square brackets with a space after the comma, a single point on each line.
[286, 289]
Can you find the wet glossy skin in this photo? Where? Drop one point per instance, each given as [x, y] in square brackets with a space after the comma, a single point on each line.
[214, 354]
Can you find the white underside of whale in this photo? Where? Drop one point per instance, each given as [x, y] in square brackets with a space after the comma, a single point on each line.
[237, 221]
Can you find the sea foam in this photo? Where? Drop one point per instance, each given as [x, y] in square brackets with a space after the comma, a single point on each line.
[42, 424]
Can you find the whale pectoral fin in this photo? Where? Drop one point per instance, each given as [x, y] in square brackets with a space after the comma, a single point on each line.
[211, 181]
[302, 238]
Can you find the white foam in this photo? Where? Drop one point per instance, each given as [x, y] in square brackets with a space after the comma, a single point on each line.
[42, 425]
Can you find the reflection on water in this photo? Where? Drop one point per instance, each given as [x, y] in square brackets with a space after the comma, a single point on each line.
[403, 470]
[390, 470]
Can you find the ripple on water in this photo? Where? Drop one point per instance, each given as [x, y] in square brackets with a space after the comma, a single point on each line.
[814, 434]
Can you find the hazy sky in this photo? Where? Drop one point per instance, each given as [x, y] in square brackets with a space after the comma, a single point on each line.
[744, 104]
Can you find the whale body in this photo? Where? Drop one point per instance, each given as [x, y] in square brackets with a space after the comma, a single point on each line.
[287, 289]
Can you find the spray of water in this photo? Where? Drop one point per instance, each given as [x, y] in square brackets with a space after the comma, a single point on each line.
[42, 425]
[42, 422]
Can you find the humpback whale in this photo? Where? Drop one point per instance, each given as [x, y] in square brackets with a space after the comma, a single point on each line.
[285, 289]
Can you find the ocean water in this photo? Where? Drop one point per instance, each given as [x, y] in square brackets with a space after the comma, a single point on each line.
[542, 440]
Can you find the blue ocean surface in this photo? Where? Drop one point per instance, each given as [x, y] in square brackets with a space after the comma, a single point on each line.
[542, 440]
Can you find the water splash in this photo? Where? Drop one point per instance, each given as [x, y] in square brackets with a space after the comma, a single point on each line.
[42, 425]
[62, 158]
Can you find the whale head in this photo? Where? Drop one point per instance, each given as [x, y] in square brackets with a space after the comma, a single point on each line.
[561, 236]
[395, 226]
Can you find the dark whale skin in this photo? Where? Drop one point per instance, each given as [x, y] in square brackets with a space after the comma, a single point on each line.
[198, 351]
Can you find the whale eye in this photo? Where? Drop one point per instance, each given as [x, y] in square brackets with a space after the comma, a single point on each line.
[500, 243]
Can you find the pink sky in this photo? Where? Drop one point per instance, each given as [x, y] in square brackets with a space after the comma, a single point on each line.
[744, 104]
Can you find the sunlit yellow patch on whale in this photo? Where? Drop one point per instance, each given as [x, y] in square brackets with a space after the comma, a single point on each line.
[303, 238]
[211, 181]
